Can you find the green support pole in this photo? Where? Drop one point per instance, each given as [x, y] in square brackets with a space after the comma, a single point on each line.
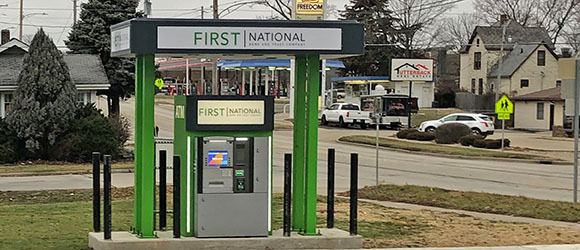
[138, 132]
[313, 90]
[148, 151]
[299, 144]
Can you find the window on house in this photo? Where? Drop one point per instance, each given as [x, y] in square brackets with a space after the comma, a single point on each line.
[8, 98]
[524, 83]
[558, 83]
[481, 86]
[478, 42]
[541, 58]
[477, 61]
[473, 85]
[83, 98]
[540, 111]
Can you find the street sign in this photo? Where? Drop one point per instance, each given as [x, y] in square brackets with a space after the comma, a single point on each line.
[159, 83]
[504, 105]
[503, 116]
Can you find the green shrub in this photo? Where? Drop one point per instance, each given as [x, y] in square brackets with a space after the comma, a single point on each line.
[9, 144]
[89, 132]
[413, 135]
[506, 143]
[403, 133]
[479, 143]
[468, 139]
[451, 132]
[492, 144]
[424, 136]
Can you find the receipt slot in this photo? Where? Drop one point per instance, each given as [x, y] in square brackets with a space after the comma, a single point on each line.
[226, 142]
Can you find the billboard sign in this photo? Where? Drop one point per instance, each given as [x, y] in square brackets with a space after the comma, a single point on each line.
[403, 69]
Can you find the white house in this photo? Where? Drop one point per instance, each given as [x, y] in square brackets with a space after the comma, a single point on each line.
[86, 71]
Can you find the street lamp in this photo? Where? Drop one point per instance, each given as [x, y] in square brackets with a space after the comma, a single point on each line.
[28, 15]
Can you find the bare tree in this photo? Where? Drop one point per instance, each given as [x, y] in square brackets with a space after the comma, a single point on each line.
[455, 31]
[554, 15]
[571, 35]
[415, 18]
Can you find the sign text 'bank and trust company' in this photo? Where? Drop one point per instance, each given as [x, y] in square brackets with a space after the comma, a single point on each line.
[248, 38]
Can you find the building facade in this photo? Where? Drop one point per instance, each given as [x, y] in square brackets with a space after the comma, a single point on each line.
[529, 62]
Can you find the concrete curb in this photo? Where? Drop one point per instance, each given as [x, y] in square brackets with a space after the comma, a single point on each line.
[80, 172]
[460, 156]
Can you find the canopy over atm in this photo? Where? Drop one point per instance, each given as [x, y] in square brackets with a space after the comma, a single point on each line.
[236, 38]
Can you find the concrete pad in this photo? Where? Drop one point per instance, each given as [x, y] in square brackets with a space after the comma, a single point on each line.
[329, 239]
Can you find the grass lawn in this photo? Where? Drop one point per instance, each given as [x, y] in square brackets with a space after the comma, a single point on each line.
[282, 101]
[437, 148]
[62, 219]
[46, 168]
[474, 201]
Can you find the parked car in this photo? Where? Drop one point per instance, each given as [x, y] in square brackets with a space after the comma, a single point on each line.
[345, 114]
[479, 124]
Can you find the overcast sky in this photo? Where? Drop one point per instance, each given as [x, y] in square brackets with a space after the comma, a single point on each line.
[55, 16]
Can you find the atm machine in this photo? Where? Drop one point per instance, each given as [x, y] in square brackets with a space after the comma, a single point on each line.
[225, 145]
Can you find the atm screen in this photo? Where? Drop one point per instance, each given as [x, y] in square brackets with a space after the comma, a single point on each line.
[217, 158]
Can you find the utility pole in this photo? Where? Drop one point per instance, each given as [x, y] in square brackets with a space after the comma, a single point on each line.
[147, 8]
[74, 12]
[202, 12]
[21, 18]
[214, 72]
[497, 86]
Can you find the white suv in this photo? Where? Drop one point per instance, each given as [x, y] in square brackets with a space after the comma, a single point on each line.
[478, 123]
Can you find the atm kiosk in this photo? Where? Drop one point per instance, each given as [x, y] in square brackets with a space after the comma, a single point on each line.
[225, 143]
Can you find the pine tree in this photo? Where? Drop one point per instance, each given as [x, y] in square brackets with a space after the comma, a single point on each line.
[379, 33]
[92, 35]
[45, 100]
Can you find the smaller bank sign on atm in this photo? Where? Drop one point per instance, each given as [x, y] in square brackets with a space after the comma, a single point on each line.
[229, 113]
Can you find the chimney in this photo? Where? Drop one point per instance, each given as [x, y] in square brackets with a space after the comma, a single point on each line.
[5, 37]
[566, 52]
[502, 19]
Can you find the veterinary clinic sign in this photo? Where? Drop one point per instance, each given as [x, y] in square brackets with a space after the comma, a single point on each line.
[230, 112]
[412, 70]
[248, 38]
[309, 7]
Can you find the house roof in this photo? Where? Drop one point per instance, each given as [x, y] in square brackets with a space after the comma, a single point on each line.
[491, 36]
[84, 69]
[551, 94]
[14, 44]
[512, 61]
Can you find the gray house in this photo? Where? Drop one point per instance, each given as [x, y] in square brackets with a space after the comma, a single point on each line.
[87, 73]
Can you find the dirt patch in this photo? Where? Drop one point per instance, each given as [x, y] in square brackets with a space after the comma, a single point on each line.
[437, 229]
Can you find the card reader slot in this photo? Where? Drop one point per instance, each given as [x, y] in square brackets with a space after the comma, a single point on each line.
[216, 183]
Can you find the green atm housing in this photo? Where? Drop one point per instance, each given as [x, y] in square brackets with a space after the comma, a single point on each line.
[225, 146]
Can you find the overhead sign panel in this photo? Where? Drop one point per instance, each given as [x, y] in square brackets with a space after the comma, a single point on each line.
[411, 69]
[249, 38]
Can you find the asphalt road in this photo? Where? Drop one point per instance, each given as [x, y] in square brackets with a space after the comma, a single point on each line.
[552, 182]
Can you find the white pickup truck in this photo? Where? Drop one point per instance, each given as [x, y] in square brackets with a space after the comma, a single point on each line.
[345, 114]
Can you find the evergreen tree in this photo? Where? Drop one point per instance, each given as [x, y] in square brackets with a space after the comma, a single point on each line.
[92, 35]
[45, 100]
[381, 37]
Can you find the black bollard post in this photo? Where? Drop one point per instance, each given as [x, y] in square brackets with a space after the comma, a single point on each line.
[176, 197]
[162, 190]
[96, 192]
[107, 193]
[287, 188]
[353, 193]
[330, 189]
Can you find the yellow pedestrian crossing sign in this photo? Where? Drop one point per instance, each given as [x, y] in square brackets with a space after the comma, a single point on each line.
[504, 107]
[159, 83]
